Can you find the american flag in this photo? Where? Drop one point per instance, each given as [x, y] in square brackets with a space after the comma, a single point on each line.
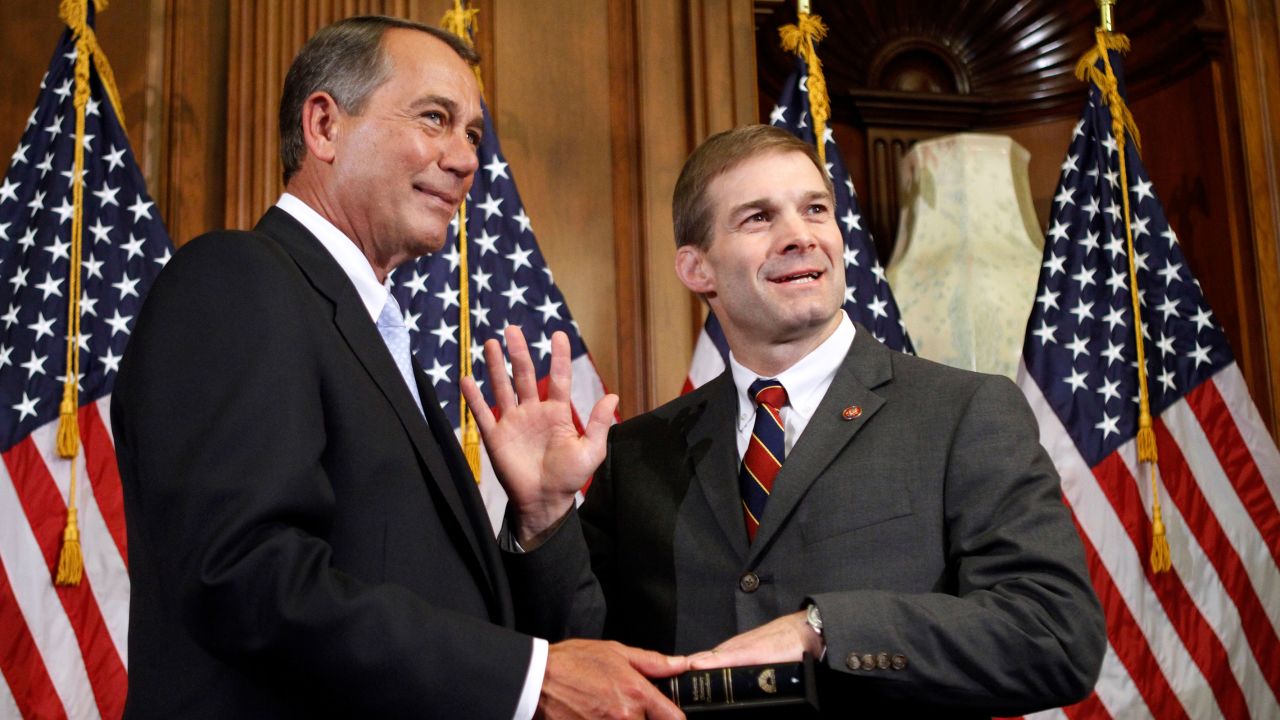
[867, 297]
[510, 284]
[1200, 640]
[62, 649]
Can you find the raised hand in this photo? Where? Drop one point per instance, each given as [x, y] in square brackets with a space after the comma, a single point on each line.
[536, 450]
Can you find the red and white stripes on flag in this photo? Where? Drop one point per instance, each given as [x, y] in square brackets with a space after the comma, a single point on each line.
[63, 650]
[1199, 641]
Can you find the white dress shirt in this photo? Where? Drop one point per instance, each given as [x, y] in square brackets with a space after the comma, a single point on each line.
[806, 383]
[374, 295]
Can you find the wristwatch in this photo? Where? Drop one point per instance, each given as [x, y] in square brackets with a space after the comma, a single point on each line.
[814, 618]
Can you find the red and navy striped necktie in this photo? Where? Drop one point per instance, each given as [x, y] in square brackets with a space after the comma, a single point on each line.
[764, 453]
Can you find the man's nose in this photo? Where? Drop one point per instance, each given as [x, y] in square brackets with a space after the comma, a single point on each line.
[794, 233]
[460, 156]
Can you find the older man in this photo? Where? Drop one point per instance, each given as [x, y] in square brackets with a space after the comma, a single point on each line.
[894, 517]
[305, 539]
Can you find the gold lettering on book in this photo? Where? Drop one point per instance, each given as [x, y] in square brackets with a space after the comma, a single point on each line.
[702, 687]
[768, 680]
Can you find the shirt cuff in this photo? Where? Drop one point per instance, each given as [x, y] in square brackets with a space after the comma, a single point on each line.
[532, 681]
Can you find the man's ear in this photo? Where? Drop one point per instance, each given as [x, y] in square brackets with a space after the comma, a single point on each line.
[321, 118]
[693, 270]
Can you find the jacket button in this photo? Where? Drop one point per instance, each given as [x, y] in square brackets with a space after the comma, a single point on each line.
[749, 582]
[868, 661]
[882, 661]
[853, 662]
[899, 662]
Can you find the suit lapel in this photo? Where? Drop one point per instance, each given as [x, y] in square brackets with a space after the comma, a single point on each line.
[865, 367]
[715, 429]
[362, 338]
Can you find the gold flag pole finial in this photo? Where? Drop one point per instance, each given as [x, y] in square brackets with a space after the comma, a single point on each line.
[1108, 22]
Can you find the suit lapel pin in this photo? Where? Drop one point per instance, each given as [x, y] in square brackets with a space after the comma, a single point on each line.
[851, 412]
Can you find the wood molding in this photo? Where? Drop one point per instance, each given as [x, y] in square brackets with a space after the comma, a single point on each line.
[192, 177]
[1255, 49]
[635, 376]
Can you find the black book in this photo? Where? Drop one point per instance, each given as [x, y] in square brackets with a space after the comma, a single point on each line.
[751, 691]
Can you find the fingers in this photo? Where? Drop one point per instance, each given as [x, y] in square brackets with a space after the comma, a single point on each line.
[479, 408]
[503, 396]
[597, 430]
[526, 378]
[561, 368]
[653, 664]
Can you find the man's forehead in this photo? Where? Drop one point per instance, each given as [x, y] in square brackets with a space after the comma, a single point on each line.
[759, 174]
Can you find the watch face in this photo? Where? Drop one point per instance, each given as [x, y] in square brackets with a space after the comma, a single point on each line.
[814, 618]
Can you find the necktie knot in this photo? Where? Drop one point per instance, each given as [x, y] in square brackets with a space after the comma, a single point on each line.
[390, 316]
[768, 392]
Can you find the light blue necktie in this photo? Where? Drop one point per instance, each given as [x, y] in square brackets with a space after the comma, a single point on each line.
[396, 336]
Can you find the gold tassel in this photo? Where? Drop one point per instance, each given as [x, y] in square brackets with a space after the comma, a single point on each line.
[68, 425]
[1160, 560]
[1123, 126]
[75, 14]
[802, 39]
[462, 22]
[70, 560]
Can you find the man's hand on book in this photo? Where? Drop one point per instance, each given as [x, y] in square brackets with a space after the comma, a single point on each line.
[598, 679]
[783, 640]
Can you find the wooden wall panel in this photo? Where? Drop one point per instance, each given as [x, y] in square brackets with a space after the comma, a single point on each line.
[1254, 27]
[553, 121]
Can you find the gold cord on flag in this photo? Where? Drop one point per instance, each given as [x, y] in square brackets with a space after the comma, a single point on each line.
[75, 14]
[1122, 123]
[462, 22]
[802, 39]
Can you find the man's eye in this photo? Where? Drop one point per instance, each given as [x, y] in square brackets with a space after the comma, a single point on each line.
[434, 116]
[818, 209]
[474, 138]
[758, 217]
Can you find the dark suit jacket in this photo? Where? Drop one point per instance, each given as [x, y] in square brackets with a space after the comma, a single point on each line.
[929, 529]
[301, 541]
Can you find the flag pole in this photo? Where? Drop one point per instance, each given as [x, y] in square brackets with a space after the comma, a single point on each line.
[462, 22]
[1123, 126]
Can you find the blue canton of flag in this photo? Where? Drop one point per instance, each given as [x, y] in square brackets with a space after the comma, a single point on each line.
[510, 284]
[65, 648]
[1203, 638]
[1080, 337]
[867, 297]
[125, 245]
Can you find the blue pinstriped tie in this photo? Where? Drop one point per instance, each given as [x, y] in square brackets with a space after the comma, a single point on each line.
[764, 452]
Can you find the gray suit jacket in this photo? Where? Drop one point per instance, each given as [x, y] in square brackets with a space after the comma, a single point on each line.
[929, 529]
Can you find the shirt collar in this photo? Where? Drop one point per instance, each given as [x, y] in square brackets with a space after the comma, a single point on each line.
[806, 381]
[353, 262]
